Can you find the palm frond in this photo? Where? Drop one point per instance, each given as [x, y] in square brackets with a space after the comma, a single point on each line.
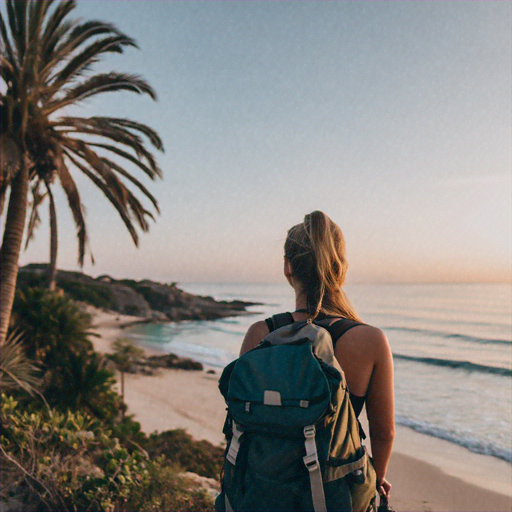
[89, 29]
[88, 56]
[124, 196]
[34, 219]
[108, 82]
[152, 172]
[50, 59]
[6, 70]
[16, 369]
[153, 137]
[114, 200]
[61, 46]
[17, 14]
[113, 165]
[6, 43]
[51, 33]
[139, 212]
[75, 205]
[35, 18]
[97, 165]
[102, 127]
[44, 62]
[36, 13]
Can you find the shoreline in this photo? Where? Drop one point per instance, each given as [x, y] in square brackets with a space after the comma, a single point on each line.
[427, 473]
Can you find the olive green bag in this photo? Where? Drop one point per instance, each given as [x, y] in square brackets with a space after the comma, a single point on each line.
[293, 441]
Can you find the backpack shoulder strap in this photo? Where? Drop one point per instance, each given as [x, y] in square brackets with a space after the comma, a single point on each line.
[339, 328]
[280, 320]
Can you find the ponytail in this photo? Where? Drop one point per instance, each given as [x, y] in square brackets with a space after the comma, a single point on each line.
[316, 252]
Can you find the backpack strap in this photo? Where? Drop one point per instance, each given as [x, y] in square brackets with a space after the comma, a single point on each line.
[228, 506]
[315, 475]
[235, 444]
[339, 328]
[280, 320]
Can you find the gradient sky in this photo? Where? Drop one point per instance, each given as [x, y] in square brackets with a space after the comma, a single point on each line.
[392, 117]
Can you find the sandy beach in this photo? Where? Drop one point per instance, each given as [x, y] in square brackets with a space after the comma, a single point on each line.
[427, 474]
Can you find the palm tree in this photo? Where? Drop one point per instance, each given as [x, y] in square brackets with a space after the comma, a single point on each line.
[17, 371]
[45, 63]
[125, 356]
[34, 221]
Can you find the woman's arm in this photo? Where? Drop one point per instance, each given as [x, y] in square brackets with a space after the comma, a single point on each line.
[380, 406]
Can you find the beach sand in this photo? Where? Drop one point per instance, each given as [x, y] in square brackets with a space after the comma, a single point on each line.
[427, 474]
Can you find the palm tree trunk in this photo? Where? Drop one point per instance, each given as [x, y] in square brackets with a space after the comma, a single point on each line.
[11, 244]
[122, 394]
[52, 269]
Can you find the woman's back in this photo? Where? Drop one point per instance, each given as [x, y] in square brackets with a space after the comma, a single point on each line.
[315, 266]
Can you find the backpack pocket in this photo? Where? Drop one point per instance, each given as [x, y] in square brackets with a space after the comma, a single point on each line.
[266, 496]
[276, 460]
[363, 487]
[279, 388]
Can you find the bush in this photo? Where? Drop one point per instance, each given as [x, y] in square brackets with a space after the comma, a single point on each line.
[70, 462]
[97, 295]
[166, 491]
[131, 309]
[56, 337]
[82, 382]
[65, 462]
[53, 325]
[181, 449]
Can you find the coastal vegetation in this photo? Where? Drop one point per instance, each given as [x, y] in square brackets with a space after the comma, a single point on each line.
[46, 63]
[65, 441]
[125, 355]
[145, 299]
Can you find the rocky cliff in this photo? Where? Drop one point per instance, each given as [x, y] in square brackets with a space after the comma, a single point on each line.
[146, 299]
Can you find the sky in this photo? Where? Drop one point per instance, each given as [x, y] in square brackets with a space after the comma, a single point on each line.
[394, 118]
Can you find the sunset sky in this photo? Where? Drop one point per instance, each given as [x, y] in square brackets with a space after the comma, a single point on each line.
[392, 117]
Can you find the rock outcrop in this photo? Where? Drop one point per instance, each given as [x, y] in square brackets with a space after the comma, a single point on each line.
[147, 299]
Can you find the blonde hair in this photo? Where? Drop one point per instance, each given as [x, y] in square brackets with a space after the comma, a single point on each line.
[316, 252]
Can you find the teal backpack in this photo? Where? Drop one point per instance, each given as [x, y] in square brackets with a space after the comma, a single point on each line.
[293, 440]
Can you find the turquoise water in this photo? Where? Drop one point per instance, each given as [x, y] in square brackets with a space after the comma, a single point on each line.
[451, 345]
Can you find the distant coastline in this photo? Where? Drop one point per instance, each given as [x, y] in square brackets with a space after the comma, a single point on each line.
[147, 300]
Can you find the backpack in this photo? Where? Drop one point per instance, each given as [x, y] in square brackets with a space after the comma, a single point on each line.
[293, 440]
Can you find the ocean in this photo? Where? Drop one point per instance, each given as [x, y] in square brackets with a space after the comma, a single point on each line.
[451, 346]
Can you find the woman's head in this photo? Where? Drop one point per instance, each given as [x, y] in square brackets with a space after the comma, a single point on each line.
[315, 250]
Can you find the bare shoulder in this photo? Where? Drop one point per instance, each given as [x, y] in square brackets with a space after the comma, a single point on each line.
[368, 338]
[256, 332]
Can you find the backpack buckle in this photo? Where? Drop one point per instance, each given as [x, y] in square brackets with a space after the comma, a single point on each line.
[311, 462]
[309, 431]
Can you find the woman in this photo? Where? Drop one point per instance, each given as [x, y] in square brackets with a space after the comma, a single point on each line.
[315, 266]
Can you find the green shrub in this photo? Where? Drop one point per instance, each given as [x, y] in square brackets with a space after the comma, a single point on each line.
[53, 325]
[65, 461]
[131, 309]
[56, 338]
[70, 462]
[97, 295]
[166, 491]
[82, 382]
[181, 449]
